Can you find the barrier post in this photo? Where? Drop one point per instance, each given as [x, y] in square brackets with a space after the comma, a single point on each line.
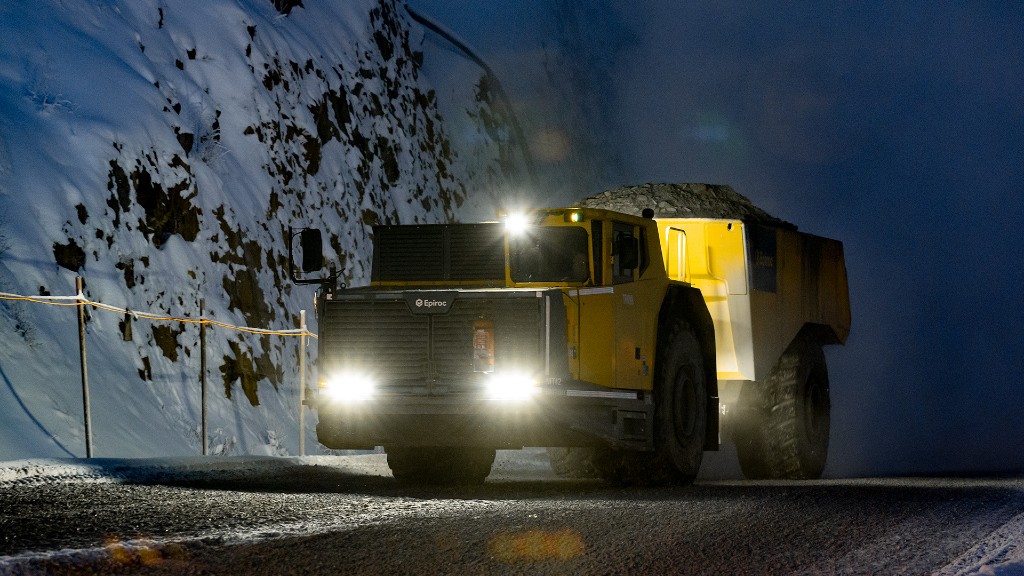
[302, 383]
[202, 371]
[79, 288]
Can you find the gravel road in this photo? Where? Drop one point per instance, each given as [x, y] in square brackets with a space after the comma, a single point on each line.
[348, 516]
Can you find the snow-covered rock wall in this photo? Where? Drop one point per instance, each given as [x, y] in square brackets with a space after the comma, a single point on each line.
[161, 150]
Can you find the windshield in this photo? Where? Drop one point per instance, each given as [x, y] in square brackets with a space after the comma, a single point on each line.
[550, 254]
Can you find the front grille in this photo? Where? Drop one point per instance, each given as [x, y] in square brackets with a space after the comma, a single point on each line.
[476, 252]
[403, 253]
[439, 253]
[420, 353]
[376, 334]
[517, 337]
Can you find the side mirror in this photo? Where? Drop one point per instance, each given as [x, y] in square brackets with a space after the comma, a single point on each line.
[312, 244]
[311, 259]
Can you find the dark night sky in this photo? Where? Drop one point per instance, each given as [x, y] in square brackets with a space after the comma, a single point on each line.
[898, 130]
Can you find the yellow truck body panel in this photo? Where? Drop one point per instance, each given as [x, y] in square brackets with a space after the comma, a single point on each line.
[762, 285]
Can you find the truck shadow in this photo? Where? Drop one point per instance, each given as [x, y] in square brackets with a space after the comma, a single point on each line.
[317, 480]
[325, 480]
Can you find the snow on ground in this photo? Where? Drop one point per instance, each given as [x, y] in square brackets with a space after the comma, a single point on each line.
[1001, 553]
[530, 463]
[182, 467]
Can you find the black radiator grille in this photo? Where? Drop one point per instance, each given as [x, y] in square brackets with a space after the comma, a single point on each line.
[377, 334]
[417, 353]
[476, 252]
[439, 253]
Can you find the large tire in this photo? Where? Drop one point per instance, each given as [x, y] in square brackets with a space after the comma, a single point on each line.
[788, 432]
[573, 462]
[749, 433]
[444, 466]
[680, 419]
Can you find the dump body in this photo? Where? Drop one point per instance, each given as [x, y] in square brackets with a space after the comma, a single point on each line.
[762, 285]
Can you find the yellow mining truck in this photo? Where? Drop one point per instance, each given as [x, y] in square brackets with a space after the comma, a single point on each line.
[607, 335]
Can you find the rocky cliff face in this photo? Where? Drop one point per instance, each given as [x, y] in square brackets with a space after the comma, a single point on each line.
[162, 150]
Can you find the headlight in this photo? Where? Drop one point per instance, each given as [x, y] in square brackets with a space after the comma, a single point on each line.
[511, 387]
[348, 388]
[516, 223]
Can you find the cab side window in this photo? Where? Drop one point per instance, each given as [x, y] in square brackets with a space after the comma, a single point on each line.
[597, 239]
[645, 258]
[625, 252]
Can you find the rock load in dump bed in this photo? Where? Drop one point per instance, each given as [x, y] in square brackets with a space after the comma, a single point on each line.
[692, 200]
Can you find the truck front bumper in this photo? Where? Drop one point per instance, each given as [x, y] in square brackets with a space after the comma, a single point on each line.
[559, 416]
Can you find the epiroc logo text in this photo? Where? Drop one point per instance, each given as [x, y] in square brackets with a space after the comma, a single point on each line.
[429, 302]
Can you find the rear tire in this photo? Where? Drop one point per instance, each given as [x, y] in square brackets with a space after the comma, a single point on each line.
[440, 466]
[787, 433]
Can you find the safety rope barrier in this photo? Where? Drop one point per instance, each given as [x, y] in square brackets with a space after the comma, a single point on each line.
[81, 300]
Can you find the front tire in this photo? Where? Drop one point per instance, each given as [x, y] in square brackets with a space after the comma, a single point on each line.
[440, 466]
[682, 396]
[680, 419]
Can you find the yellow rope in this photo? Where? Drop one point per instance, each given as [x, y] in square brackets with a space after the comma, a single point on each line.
[80, 300]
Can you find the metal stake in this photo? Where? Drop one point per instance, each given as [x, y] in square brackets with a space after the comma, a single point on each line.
[202, 370]
[302, 384]
[79, 288]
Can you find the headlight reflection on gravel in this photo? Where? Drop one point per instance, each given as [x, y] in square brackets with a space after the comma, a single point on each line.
[142, 551]
[532, 545]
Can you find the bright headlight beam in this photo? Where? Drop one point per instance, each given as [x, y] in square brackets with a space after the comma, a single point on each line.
[511, 387]
[516, 223]
[349, 388]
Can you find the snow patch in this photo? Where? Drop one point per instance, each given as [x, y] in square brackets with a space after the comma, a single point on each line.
[999, 554]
